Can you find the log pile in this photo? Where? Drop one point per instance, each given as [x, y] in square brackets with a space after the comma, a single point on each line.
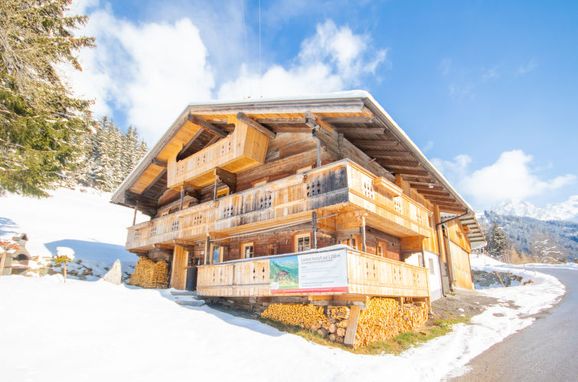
[302, 315]
[382, 319]
[385, 318]
[148, 274]
[329, 323]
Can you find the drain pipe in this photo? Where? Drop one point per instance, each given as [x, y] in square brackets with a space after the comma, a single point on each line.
[447, 247]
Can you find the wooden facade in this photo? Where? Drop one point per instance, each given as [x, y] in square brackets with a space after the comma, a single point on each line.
[231, 187]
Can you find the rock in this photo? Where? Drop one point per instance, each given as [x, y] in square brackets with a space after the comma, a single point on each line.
[332, 328]
[114, 276]
[341, 332]
[322, 332]
[332, 337]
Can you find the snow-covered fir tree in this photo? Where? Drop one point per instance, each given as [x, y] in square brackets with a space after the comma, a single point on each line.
[107, 156]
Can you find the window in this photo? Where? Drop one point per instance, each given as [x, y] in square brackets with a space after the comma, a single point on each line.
[247, 250]
[302, 242]
[217, 258]
[432, 270]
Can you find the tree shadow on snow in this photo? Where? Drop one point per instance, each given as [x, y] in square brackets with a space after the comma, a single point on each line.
[232, 316]
[94, 252]
[7, 227]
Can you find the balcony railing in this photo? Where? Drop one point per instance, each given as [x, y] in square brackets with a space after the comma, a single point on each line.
[285, 201]
[239, 151]
[351, 272]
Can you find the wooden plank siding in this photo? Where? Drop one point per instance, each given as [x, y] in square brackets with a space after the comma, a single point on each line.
[366, 274]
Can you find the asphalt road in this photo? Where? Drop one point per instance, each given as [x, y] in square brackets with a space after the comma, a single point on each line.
[547, 350]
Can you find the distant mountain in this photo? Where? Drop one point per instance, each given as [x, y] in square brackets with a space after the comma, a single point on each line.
[536, 239]
[567, 210]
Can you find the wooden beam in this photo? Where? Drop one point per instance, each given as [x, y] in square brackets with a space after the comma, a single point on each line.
[406, 171]
[314, 228]
[291, 128]
[281, 121]
[363, 234]
[350, 119]
[435, 189]
[385, 152]
[383, 141]
[195, 120]
[207, 249]
[158, 162]
[397, 162]
[360, 131]
[226, 177]
[351, 330]
[256, 125]
[191, 141]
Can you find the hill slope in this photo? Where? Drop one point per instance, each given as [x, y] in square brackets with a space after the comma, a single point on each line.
[541, 240]
[81, 219]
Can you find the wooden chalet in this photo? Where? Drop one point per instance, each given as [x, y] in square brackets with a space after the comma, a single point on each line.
[322, 198]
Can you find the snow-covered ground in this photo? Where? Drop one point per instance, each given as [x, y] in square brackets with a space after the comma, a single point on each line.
[96, 331]
[82, 219]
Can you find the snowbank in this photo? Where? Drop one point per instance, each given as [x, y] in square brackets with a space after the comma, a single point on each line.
[122, 333]
[83, 220]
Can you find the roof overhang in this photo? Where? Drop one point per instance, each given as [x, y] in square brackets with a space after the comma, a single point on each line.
[356, 115]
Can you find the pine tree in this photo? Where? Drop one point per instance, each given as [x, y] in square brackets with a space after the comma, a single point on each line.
[113, 155]
[40, 121]
[498, 243]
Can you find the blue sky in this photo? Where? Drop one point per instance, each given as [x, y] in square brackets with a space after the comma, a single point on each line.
[488, 89]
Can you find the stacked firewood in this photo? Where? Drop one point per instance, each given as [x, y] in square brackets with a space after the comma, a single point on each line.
[302, 315]
[385, 318]
[148, 274]
[330, 322]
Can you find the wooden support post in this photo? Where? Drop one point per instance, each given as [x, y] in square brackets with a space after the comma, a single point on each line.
[314, 229]
[207, 248]
[2, 262]
[215, 187]
[363, 234]
[134, 214]
[182, 196]
[351, 330]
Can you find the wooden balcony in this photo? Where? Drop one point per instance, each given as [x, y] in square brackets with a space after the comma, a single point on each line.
[341, 184]
[345, 271]
[243, 149]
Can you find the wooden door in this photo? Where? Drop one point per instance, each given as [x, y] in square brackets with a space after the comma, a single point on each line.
[179, 267]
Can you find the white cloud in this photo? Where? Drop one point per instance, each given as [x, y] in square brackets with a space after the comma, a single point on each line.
[453, 169]
[528, 67]
[149, 71]
[490, 73]
[332, 59]
[511, 177]
[168, 69]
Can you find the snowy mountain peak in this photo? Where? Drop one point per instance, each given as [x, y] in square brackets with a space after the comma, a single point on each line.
[567, 210]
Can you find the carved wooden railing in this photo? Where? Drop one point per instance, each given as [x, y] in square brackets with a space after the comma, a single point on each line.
[366, 274]
[285, 200]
